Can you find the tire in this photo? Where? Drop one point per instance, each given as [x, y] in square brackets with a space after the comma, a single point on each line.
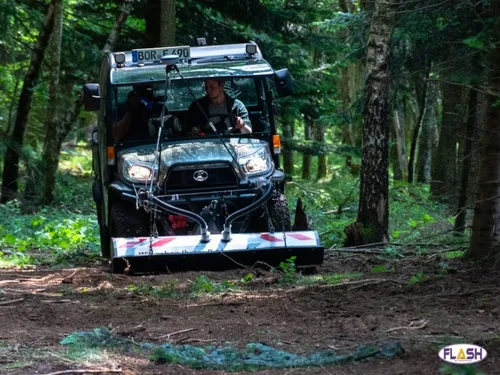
[125, 221]
[280, 213]
[103, 233]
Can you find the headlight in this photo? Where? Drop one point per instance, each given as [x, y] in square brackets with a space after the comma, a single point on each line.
[256, 161]
[137, 172]
[256, 165]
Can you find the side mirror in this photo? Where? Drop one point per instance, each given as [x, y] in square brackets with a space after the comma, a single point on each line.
[284, 83]
[91, 96]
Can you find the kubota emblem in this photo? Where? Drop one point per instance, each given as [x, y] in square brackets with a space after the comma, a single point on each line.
[200, 175]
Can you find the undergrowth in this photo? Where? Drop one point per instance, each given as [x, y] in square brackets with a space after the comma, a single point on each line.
[331, 204]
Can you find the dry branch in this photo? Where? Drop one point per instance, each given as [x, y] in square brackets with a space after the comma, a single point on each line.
[410, 327]
[12, 301]
[178, 332]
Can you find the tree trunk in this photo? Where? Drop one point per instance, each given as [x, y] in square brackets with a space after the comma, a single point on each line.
[288, 133]
[425, 141]
[372, 222]
[346, 6]
[319, 136]
[466, 156]
[12, 156]
[167, 29]
[421, 90]
[485, 239]
[444, 165]
[399, 139]
[481, 116]
[50, 156]
[307, 156]
[60, 127]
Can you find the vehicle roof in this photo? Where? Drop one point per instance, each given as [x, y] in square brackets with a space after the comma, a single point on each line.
[218, 61]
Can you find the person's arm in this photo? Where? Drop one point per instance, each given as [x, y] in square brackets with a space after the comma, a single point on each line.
[121, 128]
[242, 120]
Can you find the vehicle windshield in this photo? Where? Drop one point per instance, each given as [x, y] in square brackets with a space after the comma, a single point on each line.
[150, 98]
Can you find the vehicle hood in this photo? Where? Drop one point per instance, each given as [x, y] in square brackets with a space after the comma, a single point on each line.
[195, 152]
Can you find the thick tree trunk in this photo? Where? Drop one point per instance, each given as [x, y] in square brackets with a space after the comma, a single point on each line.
[427, 131]
[481, 116]
[307, 156]
[373, 216]
[167, 29]
[50, 152]
[12, 156]
[485, 239]
[466, 156]
[444, 165]
[399, 133]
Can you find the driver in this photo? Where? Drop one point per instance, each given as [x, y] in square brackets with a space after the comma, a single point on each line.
[223, 111]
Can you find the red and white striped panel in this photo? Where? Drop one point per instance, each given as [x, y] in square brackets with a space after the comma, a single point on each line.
[139, 246]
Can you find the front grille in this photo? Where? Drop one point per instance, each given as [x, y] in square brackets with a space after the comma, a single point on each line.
[181, 178]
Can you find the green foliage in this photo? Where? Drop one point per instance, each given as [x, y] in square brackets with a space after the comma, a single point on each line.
[166, 290]
[62, 234]
[289, 270]
[419, 278]
[202, 284]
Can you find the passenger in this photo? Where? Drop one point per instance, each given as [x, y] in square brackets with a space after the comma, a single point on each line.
[222, 110]
[134, 123]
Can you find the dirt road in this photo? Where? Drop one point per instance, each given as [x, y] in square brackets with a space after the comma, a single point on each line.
[38, 308]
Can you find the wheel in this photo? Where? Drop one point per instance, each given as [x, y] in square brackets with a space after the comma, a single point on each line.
[125, 221]
[280, 213]
[103, 233]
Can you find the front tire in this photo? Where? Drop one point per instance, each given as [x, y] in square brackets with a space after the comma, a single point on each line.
[280, 213]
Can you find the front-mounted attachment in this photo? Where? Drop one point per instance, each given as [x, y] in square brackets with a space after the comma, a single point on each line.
[91, 96]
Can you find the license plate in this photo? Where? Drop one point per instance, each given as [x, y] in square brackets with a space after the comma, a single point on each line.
[155, 54]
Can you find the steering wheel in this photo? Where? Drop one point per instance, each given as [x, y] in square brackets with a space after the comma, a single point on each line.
[222, 120]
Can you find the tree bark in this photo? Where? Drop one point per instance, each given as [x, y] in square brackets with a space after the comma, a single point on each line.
[11, 163]
[485, 238]
[469, 133]
[427, 131]
[399, 133]
[372, 222]
[288, 133]
[319, 135]
[481, 116]
[50, 154]
[61, 126]
[444, 165]
[116, 31]
[421, 90]
[307, 156]
[167, 29]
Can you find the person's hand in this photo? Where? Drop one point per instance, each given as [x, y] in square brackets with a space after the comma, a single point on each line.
[239, 123]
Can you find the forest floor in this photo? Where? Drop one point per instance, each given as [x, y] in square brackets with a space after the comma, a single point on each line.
[422, 303]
